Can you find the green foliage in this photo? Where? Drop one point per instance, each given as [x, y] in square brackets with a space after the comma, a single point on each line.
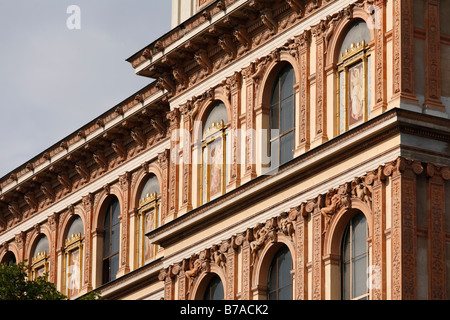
[15, 285]
[93, 295]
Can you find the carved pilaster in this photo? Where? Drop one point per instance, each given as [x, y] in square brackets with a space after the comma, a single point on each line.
[243, 240]
[87, 203]
[320, 134]
[437, 234]
[301, 244]
[317, 263]
[380, 60]
[124, 183]
[403, 46]
[53, 222]
[433, 56]
[378, 240]
[234, 83]
[180, 271]
[403, 234]
[250, 137]
[166, 275]
[303, 113]
[20, 241]
[186, 196]
[231, 254]
[163, 162]
[174, 117]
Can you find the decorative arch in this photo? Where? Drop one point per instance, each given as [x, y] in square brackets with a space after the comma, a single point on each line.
[202, 281]
[9, 248]
[341, 26]
[205, 106]
[262, 265]
[268, 77]
[337, 225]
[32, 242]
[5, 253]
[141, 179]
[101, 205]
[66, 221]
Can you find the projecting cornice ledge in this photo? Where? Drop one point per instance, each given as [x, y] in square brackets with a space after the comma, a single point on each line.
[394, 123]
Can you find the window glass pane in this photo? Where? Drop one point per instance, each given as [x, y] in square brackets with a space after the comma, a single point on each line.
[217, 291]
[107, 243]
[275, 97]
[346, 281]
[287, 114]
[42, 246]
[274, 117]
[115, 212]
[287, 148]
[151, 186]
[279, 281]
[214, 290]
[359, 276]
[217, 113]
[285, 293]
[284, 268]
[287, 82]
[346, 246]
[106, 264]
[115, 239]
[114, 266]
[359, 235]
[357, 33]
[274, 156]
[76, 227]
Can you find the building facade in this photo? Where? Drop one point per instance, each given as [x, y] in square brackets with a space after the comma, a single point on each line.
[288, 149]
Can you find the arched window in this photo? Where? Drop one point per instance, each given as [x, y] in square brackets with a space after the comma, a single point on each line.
[73, 256]
[39, 262]
[282, 115]
[9, 259]
[147, 220]
[214, 290]
[354, 260]
[214, 145]
[354, 94]
[279, 280]
[111, 241]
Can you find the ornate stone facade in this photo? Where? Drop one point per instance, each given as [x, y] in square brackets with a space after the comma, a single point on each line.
[393, 168]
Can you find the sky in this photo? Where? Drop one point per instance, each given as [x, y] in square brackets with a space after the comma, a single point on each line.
[60, 68]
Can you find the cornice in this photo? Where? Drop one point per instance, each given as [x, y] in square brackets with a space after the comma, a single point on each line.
[119, 135]
[181, 62]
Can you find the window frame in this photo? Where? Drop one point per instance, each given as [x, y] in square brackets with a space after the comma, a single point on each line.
[348, 231]
[73, 243]
[148, 205]
[208, 288]
[280, 135]
[357, 53]
[39, 262]
[111, 255]
[217, 132]
[275, 262]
